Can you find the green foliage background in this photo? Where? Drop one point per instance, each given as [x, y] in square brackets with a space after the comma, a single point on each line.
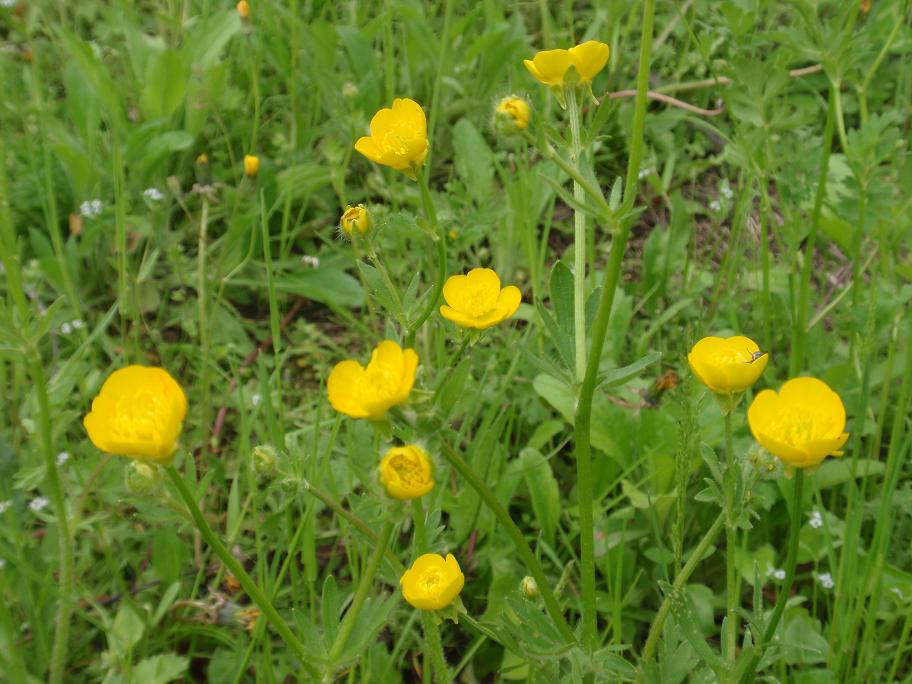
[103, 101]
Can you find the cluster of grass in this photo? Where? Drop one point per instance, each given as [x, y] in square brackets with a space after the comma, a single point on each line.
[767, 194]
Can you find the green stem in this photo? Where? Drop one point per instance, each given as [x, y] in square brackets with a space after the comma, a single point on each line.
[431, 215]
[782, 599]
[579, 241]
[433, 645]
[863, 89]
[384, 275]
[731, 584]
[655, 630]
[796, 360]
[64, 538]
[364, 587]
[353, 519]
[203, 315]
[237, 570]
[516, 536]
[582, 424]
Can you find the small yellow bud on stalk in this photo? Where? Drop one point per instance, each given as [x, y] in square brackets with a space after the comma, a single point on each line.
[251, 165]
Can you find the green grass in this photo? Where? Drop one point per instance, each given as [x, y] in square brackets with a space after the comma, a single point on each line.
[771, 200]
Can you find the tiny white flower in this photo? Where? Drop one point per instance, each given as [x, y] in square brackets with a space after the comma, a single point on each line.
[66, 328]
[153, 194]
[779, 574]
[90, 208]
[38, 503]
[726, 190]
[643, 173]
[715, 206]
[63, 457]
[816, 520]
[898, 592]
[8, 4]
[4, 506]
[2, 564]
[312, 261]
[77, 323]
[256, 399]
[826, 580]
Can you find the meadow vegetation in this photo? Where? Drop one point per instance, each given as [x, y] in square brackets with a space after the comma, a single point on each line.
[445, 341]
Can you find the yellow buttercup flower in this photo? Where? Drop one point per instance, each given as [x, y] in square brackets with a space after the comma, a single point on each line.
[727, 365]
[355, 218]
[801, 424]
[138, 413]
[251, 165]
[405, 472]
[475, 300]
[550, 66]
[432, 582]
[370, 392]
[513, 114]
[398, 137]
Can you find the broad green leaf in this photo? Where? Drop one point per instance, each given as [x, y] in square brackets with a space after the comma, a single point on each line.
[160, 669]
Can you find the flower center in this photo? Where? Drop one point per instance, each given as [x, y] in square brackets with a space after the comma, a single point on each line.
[798, 425]
[398, 139]
[407, 469]
[432, 581]
[140, 416]
[479, 301]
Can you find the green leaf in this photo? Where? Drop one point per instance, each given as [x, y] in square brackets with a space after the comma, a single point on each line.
[620, 376]
[160, 669]
[560, 289]
[165, 85]
[837, 471]
[543, 490]
[473, 159]
[126, 630]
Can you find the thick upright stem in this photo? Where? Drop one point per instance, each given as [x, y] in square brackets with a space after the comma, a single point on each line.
[731, 536]
[782, 599]
[579, 241]
[64, 538]
[583, 420]
[237, 570]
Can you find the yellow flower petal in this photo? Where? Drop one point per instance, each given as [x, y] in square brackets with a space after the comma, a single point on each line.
[398, 137]
[589, 58]
[432, 583]
[727, 365]
[550, 66]
[405, 472]
[369, 392]
[477, 301]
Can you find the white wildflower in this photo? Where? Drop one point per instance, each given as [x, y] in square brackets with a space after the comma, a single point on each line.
[38, 503]
[779, 574]
[826, 580]
[63, 457]
[715, 206]
[898, 592]
[643, 173]
[4, 506]
[256, 399]
[77, 323]
[312, 261]
[726, 190]
[816, 520]
[90, 208]
[66, 328]
[153, 194]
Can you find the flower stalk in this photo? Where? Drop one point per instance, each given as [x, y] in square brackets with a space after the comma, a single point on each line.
[237, 570]
[582, 423]
[791, 559]
[433, 644]
[731, 535]
[431, 215]
[579, 240]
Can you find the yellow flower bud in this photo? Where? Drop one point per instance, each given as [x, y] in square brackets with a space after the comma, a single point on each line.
[475, 300]
[142, 478]
[727, 365]
[512, 114]
[370, 392]
[251, 165]
[243, 10]
[138, 413]
[432, 583]
[398, 137]
[802, 424]
[550, 66]
[202, 160]
[405, 472]
[355, 218]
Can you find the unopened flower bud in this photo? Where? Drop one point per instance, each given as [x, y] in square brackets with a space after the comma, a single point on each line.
[243, 10]
[512, 115]
[355, 218]
[529, 587]
[251, 165]
[265, 459]
[142, 478]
